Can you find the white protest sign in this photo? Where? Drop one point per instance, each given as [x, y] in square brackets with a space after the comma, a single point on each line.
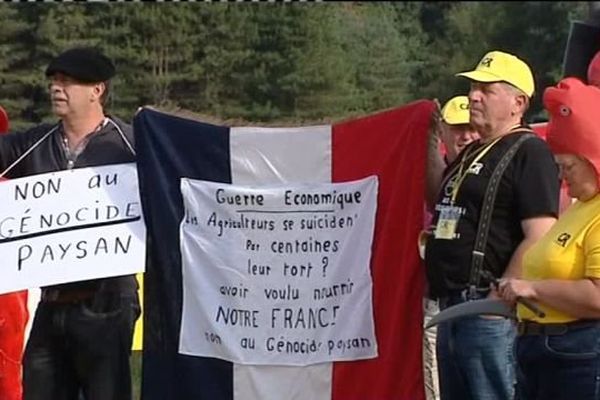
[69, 226]
[278, 275]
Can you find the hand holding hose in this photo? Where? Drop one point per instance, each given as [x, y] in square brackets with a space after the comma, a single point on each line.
[506, 290]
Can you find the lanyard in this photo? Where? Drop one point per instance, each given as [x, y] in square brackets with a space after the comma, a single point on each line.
[463, 172]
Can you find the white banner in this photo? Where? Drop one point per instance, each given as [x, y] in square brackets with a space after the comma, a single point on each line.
[278, 275]
[70, 226]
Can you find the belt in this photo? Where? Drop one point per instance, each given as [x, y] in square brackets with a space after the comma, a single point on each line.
[66, 296]
[460, 296]
[525, 328]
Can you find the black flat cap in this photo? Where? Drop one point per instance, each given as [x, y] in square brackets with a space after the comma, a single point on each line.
[84, 64]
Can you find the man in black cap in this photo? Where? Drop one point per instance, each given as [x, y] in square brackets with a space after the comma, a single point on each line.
[81, 335]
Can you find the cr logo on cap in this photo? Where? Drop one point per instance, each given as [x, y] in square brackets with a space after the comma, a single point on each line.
[463, 106]
[487, 61]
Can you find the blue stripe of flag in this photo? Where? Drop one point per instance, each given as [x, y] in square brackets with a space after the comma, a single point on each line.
[169, 148]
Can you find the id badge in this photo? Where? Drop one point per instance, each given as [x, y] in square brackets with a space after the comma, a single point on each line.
[447, 222]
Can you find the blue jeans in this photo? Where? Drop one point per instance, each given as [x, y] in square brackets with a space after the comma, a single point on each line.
[560, 367]
[476, 358]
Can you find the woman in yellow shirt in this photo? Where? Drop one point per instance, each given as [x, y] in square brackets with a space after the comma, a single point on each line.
[558, 356]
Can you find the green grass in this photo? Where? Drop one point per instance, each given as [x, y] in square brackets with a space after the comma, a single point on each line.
[136, 373]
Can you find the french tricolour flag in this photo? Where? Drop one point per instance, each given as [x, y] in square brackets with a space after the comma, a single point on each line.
[390, 144]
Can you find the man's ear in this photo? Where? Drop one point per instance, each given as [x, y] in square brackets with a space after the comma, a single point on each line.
[99, 89]
[521, 103]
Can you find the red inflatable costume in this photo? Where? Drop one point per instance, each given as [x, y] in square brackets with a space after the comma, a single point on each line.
[574, 124]
[13, 320]
[593, 72]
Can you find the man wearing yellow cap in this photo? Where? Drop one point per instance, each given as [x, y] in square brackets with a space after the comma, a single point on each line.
[498, 197]
[455, 133]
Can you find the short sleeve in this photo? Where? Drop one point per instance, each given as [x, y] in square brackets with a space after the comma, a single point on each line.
[537, 185]
[591, 249]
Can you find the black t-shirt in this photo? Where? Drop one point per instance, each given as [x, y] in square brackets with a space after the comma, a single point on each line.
[528, 188]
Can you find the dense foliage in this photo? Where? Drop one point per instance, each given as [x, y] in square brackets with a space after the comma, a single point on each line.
[277, 62]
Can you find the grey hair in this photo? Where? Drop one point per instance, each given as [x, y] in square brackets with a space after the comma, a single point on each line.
[517, 92]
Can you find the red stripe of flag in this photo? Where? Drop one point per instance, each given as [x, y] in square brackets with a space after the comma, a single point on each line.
[392, 145]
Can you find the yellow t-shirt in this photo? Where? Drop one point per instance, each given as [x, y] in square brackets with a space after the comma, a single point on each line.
[570, 250]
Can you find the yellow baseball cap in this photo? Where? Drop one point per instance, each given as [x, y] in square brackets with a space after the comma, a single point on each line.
[456, 111]
[497, 66]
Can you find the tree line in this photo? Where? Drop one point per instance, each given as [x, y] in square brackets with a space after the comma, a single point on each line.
[277, 62]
